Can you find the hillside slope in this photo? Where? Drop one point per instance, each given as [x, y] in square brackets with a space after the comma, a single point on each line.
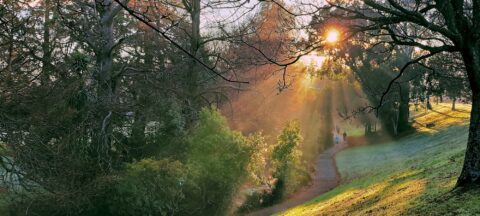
[412, 176]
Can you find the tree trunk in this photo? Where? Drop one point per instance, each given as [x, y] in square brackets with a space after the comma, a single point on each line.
[9, 60]
[138, 134]
[394, 125]
[191, 77]
[194, 42]
[471, 167]
[403, 109]
[368, 128]
[105, 85]
[454, 99]
[46, 48]
[194, 46]
[137, 140]
[429, 105]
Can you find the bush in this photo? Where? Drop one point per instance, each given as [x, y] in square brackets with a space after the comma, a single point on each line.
[150, 187]
[254, 201]
[217, 163]
[217, 159]
[260, 174]
[290, 171]
[91, 200]
[258, 167]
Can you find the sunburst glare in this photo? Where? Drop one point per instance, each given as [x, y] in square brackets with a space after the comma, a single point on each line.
[333, 36]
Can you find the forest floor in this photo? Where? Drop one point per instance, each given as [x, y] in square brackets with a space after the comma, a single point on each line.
[411, 176]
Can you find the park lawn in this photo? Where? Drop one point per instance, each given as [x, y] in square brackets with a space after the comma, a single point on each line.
[411, 176]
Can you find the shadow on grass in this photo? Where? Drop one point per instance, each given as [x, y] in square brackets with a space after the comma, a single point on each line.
[418, 182]
[450, 116]
[457, 109]
[367, 198]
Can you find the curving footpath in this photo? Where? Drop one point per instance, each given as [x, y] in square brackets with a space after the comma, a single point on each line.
[326, 178]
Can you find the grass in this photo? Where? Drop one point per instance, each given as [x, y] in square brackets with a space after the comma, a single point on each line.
[411, 176]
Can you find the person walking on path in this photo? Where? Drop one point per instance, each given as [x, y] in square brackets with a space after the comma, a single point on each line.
[345, 137]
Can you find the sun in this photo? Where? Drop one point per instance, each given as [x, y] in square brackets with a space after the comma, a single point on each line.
[333, 36]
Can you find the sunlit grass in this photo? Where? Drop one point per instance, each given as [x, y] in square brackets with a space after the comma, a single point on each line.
[441, 116]
[352, 129]
[413, 176]
[366, 200]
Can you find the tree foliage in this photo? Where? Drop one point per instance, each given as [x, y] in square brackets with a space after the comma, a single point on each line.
[150, 187]
[290, 170]
[217, 163]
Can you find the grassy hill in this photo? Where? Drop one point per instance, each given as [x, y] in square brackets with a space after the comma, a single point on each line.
[411, 176]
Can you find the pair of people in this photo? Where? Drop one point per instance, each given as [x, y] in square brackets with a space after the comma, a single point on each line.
[337, 136]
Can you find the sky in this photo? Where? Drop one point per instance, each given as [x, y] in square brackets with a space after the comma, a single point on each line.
[241, 10]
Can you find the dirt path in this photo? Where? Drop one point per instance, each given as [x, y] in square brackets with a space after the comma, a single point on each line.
[326, 178]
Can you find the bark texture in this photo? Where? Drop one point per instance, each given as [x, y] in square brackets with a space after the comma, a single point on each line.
[403, 109]
[104, 79]
[471, 167]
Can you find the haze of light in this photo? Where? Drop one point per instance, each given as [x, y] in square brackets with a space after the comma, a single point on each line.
[333, 36]
[313, 60]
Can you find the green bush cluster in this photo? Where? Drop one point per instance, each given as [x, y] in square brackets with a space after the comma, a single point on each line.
[203, 184]
[203, 181]
[283, 162]
[150, 187]
[290, 172]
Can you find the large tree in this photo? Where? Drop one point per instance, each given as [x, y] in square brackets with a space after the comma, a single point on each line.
[435, 27]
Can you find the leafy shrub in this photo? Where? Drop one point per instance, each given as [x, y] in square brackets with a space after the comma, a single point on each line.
[217, 163]
[290, 171]
[260, 174]
[90, 200]
[150, 187]
[254, 201]
[258, 167]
